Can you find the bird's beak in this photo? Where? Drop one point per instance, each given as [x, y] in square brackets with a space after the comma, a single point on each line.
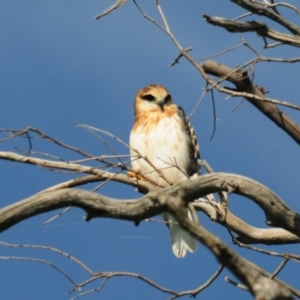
[161, 104]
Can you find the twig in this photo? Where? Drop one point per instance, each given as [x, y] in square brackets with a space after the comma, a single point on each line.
[214, 114]
[109, 275]
[43, 262]
[52, 249]
[274, 5]
[222, 52]
[196, 291]
[110, 9]
[176, 60]
[57, 216]
[198, 102]
[91, 128]
[102, 175]
[98, 289]
[239, 285]
[279, 268]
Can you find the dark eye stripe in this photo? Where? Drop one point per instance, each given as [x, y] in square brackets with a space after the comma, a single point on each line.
[167, 98]
[148, 97]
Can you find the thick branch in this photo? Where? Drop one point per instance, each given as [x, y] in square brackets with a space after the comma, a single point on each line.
[171, 198]
[243, 83]
[94, 204]
[256, 279]
[277, 212]
[247, 234]
[259, 27]
[259, 9]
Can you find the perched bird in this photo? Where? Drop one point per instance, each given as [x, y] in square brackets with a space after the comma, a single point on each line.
[164, 138]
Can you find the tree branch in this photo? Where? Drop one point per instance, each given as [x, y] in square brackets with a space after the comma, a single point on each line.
[256, 279]
[174, 198]
[247, 234]
[243, 83]
[101, 175]
[257, 26]
[276, 211]
[264, 11]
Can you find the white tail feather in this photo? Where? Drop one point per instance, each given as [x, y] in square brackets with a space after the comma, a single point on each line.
[182, 240]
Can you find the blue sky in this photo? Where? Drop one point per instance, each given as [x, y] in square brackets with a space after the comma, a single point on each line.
[58, 63]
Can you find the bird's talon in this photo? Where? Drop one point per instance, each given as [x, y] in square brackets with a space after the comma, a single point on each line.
[135, 175]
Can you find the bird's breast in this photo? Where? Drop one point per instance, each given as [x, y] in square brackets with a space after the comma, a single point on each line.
[163, 141]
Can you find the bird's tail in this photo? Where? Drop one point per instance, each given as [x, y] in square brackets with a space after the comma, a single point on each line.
[182, 240]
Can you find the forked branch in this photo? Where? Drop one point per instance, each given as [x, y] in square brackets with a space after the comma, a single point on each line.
[174, 198]
[254, 95]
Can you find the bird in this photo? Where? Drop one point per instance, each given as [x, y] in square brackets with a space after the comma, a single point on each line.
[164, 149]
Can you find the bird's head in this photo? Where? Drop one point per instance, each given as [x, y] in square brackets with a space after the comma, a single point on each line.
[152, 98]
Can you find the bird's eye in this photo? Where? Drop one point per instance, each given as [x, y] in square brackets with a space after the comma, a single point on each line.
[148, 97]
[167, 98]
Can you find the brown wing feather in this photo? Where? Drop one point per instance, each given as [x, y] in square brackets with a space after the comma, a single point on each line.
[194, 148]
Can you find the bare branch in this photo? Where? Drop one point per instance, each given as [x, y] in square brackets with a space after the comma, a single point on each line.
[241, 286]
[257, 26]
[198, 103]
[247, 234]
[252, 94]
[222, 52]
[196, 291]
[256, 279]
[108, 275]
[52, 249]
[20, 132]
[284, 4]
[101, 175]
[38, 260]
[57, 215]
[277, 212]
[110, 9]
[280, 267]
[264, 11]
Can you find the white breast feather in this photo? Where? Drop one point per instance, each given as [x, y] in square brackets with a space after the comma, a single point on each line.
[164, 146]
